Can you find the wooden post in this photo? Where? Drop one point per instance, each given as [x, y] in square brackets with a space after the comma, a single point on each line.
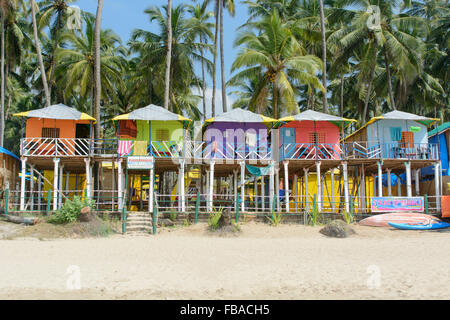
[182, 187]
[55, 184]
[333, 205]
[417, 171]
[151, 186]
[437, 185]
[263, 194]
[60, 186]
[6, 202]
[88, 178]
[277, 188]
[211, 186]
[22, 184]
[388, 172]
[120, 191]
[272, 187]
[346, 191]
[31, 187]
[197, 207]
[408, 179]
[399, 186]
[319, 186]
[49, 201]
[286, 184]
[255, 194]
[380, 178]
[242, 186]
[295, 192]
[39, 193]
[305, 170]
[235, 185]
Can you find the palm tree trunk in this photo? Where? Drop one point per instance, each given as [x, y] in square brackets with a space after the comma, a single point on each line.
[222, 60]
[204, 82]
[275, 100]
[324, 54]
[3, 80]
[98, 84]
[213, 102]
[341, 105]
[369, 88]
[53, 61]
[167, 84]
[39, 53]
[388, 71]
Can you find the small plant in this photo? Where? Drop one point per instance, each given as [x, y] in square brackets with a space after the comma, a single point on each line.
[71, 210]
[186, 223]
[348, 217]
[276, 218]
[214, 217]
[314, 216]
[173, 216]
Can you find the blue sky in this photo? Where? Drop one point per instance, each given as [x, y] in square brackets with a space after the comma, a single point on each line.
[123, 16]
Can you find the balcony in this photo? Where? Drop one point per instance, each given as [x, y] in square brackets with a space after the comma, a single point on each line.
[228, 151]
[55, 147]
[394, 150]
[311, 151]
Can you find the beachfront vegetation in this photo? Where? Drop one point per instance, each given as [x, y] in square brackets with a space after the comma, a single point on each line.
[71, 210]
[380, 55]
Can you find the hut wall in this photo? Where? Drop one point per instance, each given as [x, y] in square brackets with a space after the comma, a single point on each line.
[304, 129]
[9, 170]
[67, 128]
[380, 131]
[223, 138]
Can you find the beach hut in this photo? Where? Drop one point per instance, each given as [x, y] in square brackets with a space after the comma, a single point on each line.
[441, 137]
[307, 140]
[9, 169]
[233, 139]
[157, 133]
[57, 137]
[396, 141]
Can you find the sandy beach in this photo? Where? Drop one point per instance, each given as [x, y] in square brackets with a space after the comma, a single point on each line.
[263, 262]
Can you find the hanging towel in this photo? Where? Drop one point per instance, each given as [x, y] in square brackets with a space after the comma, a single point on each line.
[140, 148]
[258, 171]
[124, 147]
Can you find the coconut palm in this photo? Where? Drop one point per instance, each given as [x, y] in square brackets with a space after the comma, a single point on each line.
[201, 26]
[53, 14]
[284, 61]
[76, 69]
[97, 63]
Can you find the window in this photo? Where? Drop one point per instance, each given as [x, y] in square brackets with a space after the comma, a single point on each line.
[316, 137]
[50, 133]
[162, 135]
[407, 140]
[396, 133]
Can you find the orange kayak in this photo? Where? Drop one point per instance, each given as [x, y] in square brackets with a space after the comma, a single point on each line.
[383, 220]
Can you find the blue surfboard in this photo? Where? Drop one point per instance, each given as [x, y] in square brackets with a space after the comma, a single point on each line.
[433, 226]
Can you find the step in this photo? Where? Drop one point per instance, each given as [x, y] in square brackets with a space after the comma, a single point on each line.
[144, 219]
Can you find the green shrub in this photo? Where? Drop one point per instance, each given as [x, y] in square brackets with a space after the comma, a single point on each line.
[314, 216]
[213, 221]
[276, 218]
[71, 210]
[173, 216]
[348, 217]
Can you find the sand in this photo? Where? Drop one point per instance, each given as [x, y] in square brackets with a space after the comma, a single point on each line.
[263, 262]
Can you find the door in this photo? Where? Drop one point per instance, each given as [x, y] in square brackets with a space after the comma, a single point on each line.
[82, 134]
[288, 146]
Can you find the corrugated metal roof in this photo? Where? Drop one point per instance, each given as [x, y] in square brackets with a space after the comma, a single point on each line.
[9, 153]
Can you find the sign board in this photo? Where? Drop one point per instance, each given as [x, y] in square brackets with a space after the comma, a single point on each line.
[397, 204]
[140, 163]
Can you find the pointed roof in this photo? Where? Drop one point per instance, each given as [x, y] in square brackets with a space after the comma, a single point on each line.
[57, 112]
[399, 115]
[152, 113]
[241, 116]
[311, 115]
[443, 127]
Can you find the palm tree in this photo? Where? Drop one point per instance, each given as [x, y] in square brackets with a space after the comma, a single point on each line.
[169, 55]
[324, 56]
[57, 9]
[202, 27]
[75, 71]
[98, 82]
[393, 38]
[284, 61]
[39, 53]
[7, 9]
[229, 4]
[152, 50]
